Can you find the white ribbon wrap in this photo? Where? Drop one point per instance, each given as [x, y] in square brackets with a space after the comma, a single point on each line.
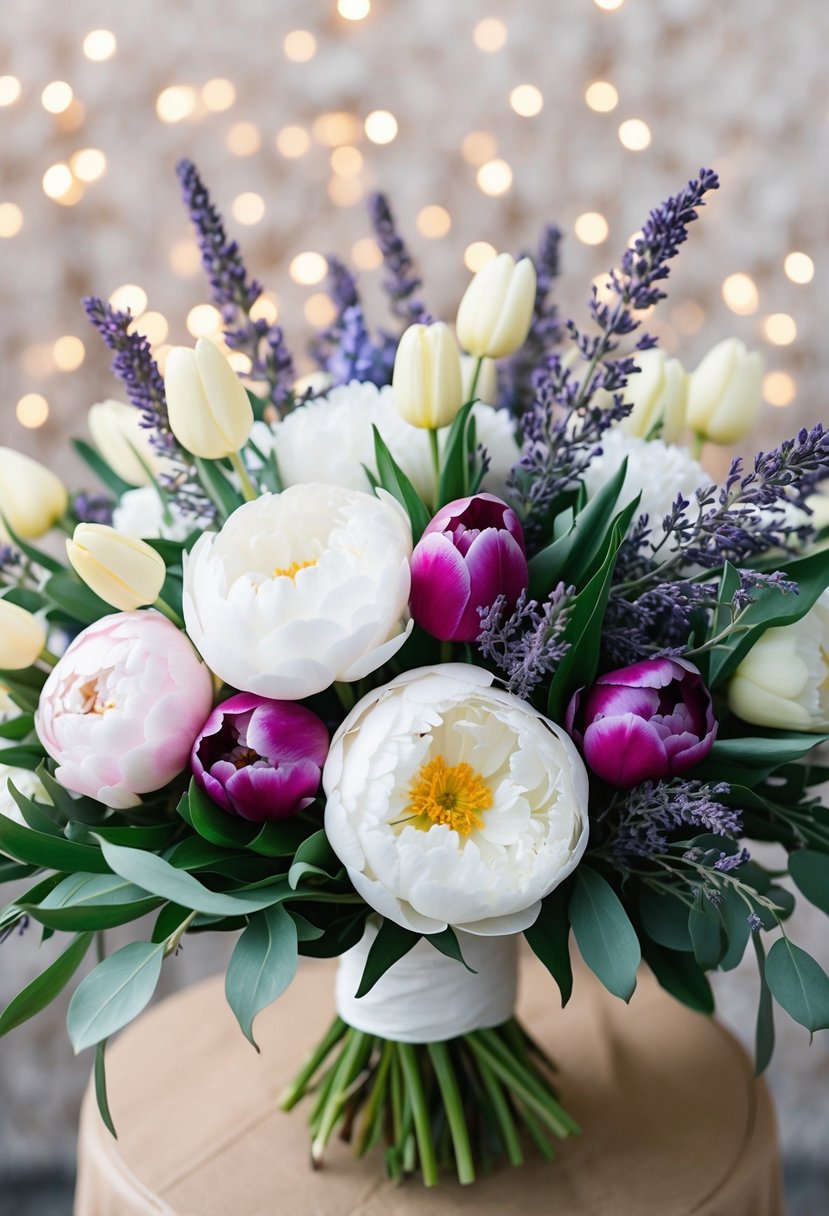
[426, 997]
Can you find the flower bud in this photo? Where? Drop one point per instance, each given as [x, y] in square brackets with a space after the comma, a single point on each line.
[210, 413]
[658, 392]
[471, 552]
[123, 570]
[724, 392]
[32, 498]
[123, 442]
[427, 376]
[783, 681]
[497, 307]
[486, 386]
[22, 636]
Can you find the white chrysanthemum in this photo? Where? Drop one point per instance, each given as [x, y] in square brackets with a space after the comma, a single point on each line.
[657, 470]
[330, 440]
[453, 802]
[300, 589]
[141, 513]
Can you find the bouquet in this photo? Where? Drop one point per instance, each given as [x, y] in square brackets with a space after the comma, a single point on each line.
[408, 658]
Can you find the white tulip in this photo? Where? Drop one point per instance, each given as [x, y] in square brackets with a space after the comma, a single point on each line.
[783, 681]
[724, 393]
[123, 442]
[122, 570]
[426, 381]
[210, 412]
[22, 636]
[658, 393]
[32, 498]
[453, 802]
[300, 589]
[497, 307]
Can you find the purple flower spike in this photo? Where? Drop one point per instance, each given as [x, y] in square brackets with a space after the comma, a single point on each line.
[260, 759]
[644, 722]
[470, 554]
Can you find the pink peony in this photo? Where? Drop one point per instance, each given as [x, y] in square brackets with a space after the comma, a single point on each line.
[120, 710]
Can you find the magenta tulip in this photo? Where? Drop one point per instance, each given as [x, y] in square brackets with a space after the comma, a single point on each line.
[260, 759]
[644, 722]
[471, 552]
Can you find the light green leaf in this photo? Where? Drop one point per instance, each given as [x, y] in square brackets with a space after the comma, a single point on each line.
[114, 993]
[799, 984]
[262, 966]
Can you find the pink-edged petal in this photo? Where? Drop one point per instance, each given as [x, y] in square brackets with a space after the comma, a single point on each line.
[440, 586]
[650, 673]
[261, 794]
[681, 761]
[282, 731]
[214, 789]
[624, 751]
[613, 700]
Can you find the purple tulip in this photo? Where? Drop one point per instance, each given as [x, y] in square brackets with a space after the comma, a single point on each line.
[260, 759]
[644, 722]
[471, 552]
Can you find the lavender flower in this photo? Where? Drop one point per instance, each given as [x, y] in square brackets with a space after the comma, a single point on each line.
[93, 508]
[649, 814]
[526, 645]
[402, 281]
[345, 349]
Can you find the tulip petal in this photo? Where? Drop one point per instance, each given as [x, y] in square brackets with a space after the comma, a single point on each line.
[261, 793]
[287, 733]
[440, 586]
[624, 751]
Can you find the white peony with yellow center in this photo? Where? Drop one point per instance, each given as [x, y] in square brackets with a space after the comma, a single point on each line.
[452, 802]
[301, 589]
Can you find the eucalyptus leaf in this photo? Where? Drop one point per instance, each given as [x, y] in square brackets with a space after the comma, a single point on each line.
[810, 871]
[391, 943]
[262, 966]
[603, 932]
[114, 993]
[101, 1088]
[707, 935]
[92, 901]
[664, 918]
[764, 1033]
[46, 986]
[798, 984]
[51, 852]
[549, 940]
[679, 974]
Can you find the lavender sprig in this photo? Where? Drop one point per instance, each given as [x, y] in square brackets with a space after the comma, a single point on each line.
[345, 349]
[93, 508]
[402, 281]
[649, 814]
[234, 293]
[525, 645]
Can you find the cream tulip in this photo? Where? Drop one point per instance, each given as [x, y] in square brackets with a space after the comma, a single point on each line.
[32, 498]
[497, 307]
[658, 393]
[210, 412]
[783, 681]
[724, 393]
[426, 381]
[123, 442]
[123, 570]
[22, 636]
[486, 384]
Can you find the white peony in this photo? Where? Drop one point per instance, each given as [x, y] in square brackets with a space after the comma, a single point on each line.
[330, 440]
[659, 471]
[141, 513]
[453, 802]
[300, 589]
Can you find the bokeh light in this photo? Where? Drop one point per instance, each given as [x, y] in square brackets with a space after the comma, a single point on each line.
[489, 35]
[175, 103]
[203, 321]
[433, 221]
[366, 253]
[601, 96]
[89, 164]
[608, 6]
[319, 310]
[380, 126]
[591, 228]
[11, 219]
[526, 100]
[185, 257]
[293, 141]
[478, 254]
[347, 161]
[740, 294]
[244, 139]
[779, 388]
[344, 191]
[634, 134]
[266, 308]
[248, 208]
[57, 180]
[9, 90]
[308, 268]
[129, 298]
[299, 46]
[153, 325]
[32, 410]
[68, 353]
[799, 267]
[99, 45]
[354, 10]
[57, 97]
[218, 94]
[780, 329]
[494, 177]
[335, 127]
[479, 147]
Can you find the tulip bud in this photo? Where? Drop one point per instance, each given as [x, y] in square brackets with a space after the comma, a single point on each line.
[32, 498]
[123, 442]
[724, 392]
[497, 307]
[486, 386]
[427, 376]
[210, 413]
[123, 570]
[658, 392]
[22, 636]
[783, 681]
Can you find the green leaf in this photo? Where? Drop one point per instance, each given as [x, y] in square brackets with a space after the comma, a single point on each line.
[314, 856]
[36, 814]
[67, 592]
[454, 473]
[664, 918]
[51, 852]
[216, 825]
[23, 757]
[390, 944]
[680, 975]
[447, 943]
[114, 993]
[734, 915]
[394, 480]
[603, 932]
[17, 728]
[211, 476]
[262, 966]
[279, 838]
[810, 871]
[115, 484]
[157, 876]
[92, 901]
[764, 1033]
[749, 761]
[567, 559]
[45, 987]
[305, 931]
[36, 555]
[549, 940]
[706, 931]
[798, 984]
[101, 1088]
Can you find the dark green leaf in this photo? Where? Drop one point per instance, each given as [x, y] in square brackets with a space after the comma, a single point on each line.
[217, 485]
[262, 966]
[764, 1034]
[100, 468]
[394, 480]
[35, 814]
[680, 975]
[734, 915]
[67, 592]
[114, 993]
[605, 937]
[664, 918]
[314, 856]
[305, 931]
[549, 939]
[216, 825]
[454, 473]
[798, 984]
[279, 838]
[706, 929]
[447, 943]
[23, 757]
[36, 555]
[810, 871]
[390, 944]
[52, 852]
[17, 728]
[101, 1088]
[43, 990]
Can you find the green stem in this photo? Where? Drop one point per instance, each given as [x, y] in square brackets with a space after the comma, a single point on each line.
[372, 1123]
[48, 657]
[347, 1068]
[423, 1132]
[249, 491]
[530, 1079]
[297, 1088]
[173, 941]
[476, 375]
[516, 1083]
[171, 614]
[503, 1115]
[448, 1085]
[434, 445]
[697, 446]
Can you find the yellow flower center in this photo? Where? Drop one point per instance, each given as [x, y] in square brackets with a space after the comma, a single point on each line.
[450, 794]
[294, 568]
[92, 703]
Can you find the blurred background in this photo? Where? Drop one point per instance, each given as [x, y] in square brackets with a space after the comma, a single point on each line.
[482, 121]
